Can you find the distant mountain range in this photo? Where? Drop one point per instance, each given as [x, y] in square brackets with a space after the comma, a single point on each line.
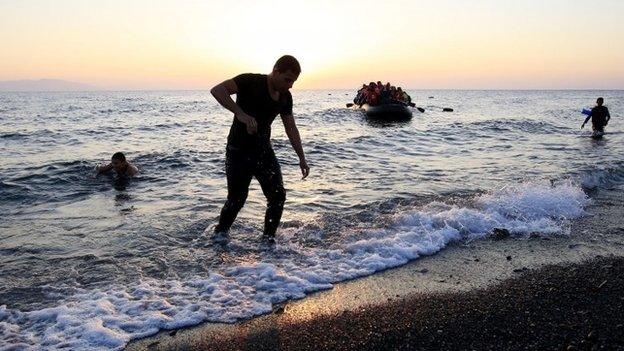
[44, 85]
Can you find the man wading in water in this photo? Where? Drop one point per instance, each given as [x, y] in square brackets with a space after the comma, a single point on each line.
[600, 117]
[249, 153]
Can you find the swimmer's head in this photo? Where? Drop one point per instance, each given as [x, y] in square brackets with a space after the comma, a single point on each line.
[118, 161]
[599, 101]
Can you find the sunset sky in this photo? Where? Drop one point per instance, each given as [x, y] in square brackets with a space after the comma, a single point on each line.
[140, 44]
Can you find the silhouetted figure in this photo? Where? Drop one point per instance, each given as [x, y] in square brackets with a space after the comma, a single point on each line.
[249, 153]
[599, 116]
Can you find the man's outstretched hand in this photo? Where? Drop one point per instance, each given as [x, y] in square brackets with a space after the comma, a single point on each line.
[305, 169]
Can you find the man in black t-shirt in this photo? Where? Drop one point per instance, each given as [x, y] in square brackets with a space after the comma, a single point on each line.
[249, 153]
[599, 115]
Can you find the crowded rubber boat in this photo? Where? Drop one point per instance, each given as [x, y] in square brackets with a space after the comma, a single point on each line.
[383, 101]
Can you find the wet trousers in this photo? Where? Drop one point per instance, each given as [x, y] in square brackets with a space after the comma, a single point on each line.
[240, 167]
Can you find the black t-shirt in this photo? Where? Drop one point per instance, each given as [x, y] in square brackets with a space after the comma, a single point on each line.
[599, 116]
[254, 99]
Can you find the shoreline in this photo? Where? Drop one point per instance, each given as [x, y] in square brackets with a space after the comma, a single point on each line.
[557, 307]
[432, 290]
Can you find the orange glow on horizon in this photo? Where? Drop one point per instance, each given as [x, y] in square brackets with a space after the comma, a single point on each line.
[194, 45]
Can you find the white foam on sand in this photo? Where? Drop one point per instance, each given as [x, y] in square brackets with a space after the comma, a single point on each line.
[105, 320]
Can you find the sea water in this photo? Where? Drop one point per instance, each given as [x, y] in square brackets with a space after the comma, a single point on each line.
[91, 262]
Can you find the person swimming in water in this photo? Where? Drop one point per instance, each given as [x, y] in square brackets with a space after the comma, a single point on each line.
[599, 116]
[120, 165]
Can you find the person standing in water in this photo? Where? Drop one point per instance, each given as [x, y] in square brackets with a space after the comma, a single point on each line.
[249, 153]
[599, 116]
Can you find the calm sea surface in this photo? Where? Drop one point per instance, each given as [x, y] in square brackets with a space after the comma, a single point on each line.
[90, 262]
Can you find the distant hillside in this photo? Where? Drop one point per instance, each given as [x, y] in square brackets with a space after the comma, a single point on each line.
[44, 85]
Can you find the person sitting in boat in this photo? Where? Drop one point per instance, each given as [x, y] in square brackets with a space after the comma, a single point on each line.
[404, 97]
[393, 93]
[367, 95]
[397, 95]
[379, 87]
[385, 97]
[371, 87]
[372, 96]
[359, 98]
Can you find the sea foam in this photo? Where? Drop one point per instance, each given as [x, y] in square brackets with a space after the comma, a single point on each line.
[108, 319]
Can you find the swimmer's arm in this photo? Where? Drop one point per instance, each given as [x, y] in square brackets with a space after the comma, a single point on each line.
[132, 170]
[103, 169]
[295, 140]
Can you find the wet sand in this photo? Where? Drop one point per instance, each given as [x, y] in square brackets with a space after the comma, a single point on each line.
[515, 293]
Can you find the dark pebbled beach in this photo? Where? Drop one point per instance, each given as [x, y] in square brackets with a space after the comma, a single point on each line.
[556, 307]
[511, 294]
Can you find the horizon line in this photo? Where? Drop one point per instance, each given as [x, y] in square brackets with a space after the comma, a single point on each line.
[314, 89]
